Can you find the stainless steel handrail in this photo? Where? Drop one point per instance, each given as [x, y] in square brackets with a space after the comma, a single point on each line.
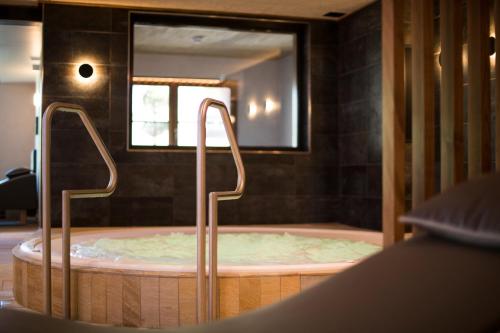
[201, 209]
[67, 195]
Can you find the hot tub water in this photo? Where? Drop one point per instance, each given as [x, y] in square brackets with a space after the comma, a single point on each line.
[242, 249]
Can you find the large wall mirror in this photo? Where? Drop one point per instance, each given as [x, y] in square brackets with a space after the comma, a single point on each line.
[257, 68]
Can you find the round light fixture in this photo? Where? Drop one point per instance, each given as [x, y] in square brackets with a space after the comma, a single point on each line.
[85, 71]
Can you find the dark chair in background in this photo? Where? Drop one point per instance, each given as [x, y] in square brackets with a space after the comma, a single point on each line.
[18, 192]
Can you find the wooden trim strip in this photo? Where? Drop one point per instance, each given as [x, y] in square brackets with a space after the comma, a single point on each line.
[393, 119]
[452, 119]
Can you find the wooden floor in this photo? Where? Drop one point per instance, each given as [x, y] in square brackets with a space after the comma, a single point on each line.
[10, 236]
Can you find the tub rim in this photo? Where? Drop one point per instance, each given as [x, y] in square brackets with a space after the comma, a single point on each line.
[24, 251]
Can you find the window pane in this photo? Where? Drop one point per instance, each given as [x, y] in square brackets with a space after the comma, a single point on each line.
[189, 100]
[150, 103]
[149, 133]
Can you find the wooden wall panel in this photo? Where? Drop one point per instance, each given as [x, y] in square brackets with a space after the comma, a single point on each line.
[478, 108]
[452, 119]
[423, 119]
[393, 120]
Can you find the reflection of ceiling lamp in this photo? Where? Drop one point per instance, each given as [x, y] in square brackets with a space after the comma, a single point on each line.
[252, 110]
[270, 105]
[37, 100]
[198, 39]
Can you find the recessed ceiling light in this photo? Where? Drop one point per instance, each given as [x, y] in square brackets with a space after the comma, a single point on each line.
[334, 14]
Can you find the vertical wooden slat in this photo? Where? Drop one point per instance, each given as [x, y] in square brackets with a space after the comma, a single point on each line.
[150, 302]
[497, 84]
[290, 285]
[187, 301]
[229, 291]
[114, 299]
[479, 122]
[57, 292]
[21, 282]
[131, 301]
[423, 124]
[452, 122]
[393, 119]
[84, 296]
[249, 293]
[270, 290]
[308, 281]
[169, 302]
[34, 290]
[98, 298]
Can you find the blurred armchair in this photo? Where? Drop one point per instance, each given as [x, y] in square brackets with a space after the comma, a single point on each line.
[18, 192]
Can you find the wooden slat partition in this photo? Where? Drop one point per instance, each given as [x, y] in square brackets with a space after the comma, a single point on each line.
[423, 120]
[393, 119]
[452, 122]
[497, 85]
[479, 120]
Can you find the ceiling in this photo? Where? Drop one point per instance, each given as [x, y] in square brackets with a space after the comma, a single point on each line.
[20, 47]
[202, 41]
[313, 9]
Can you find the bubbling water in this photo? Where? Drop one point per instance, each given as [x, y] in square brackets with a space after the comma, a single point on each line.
[242, 249]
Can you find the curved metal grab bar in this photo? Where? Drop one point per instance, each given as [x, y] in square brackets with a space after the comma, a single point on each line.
[201, 209]
[67, 195]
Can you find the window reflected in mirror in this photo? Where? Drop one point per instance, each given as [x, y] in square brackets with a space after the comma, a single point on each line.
[175, 65]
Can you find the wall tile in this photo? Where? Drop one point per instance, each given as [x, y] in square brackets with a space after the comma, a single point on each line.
[82, 18]
[360, 117]
[159, 188]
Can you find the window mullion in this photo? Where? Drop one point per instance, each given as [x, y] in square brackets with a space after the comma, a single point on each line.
[173, 115]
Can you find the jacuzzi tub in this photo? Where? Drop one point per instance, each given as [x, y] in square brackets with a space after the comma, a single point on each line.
[134, 292]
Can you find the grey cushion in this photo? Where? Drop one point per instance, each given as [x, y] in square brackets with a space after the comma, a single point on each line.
[469, 212]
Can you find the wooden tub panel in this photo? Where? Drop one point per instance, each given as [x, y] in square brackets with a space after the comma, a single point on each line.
[169, 302]
[114, 299]
[150, 300]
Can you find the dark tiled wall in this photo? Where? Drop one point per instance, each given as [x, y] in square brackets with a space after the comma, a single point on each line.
[360, 118]
[159, 188]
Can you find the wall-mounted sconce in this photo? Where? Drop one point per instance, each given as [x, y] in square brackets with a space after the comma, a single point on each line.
[491, 49]
[252, 110]
[85, 71]
[491, 41]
